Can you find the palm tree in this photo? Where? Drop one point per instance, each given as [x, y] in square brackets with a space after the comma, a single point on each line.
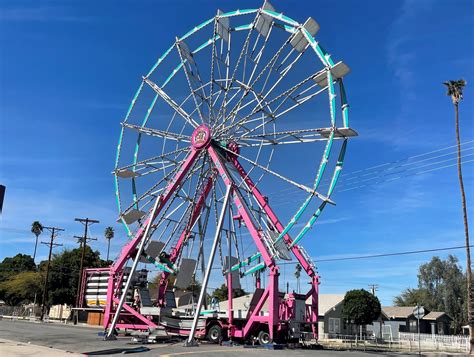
[36, 229]
[297, 276]
[109, 234]
[455, 89]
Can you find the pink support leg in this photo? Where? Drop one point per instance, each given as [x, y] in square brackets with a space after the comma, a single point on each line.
[129, 250]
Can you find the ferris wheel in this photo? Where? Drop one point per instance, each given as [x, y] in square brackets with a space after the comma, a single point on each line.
[242, 109]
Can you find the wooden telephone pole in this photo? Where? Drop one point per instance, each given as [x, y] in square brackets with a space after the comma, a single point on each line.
[83, 243]
[54, 233]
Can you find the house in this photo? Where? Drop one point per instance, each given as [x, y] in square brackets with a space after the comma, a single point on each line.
[439, 322]
[401, 319]
[329, 318]
[331, 322]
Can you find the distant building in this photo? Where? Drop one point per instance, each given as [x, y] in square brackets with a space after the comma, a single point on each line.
[331, 322]
[401, 319]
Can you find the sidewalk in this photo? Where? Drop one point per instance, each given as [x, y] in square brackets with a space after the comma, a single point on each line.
[13, 349]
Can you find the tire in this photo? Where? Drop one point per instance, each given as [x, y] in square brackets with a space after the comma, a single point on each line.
[214, 334]
[264, 338]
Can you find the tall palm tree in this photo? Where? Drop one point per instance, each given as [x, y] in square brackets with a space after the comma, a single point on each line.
[455, 89]
[36, 229]
[109, 234]
[297, 276]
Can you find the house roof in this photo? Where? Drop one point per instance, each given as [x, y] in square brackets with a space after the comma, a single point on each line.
[435, 315]
[398, 311]
[406, 311]
[327, 302]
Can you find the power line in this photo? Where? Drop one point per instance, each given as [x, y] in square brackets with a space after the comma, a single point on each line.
[379, 169]
[408, 175]
[409, 158]
[361, 184]
[382, 255]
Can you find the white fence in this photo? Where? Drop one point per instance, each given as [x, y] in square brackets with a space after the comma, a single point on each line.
[435, 342]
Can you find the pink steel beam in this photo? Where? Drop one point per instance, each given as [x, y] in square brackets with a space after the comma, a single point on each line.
[272, 216]
[136, 314]
[183, 237]
[129, 249]
[241, 206]
[295, 248]
[196, 213]
[255, 314]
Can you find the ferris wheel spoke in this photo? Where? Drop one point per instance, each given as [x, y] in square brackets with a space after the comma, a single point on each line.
[152, 191]
[158, 133]
[191, 72]
[299, 99]
[250, 86]
[243, 52]
[298, 41]
[195, 204]
[269, 68]
[214, 59]
[286, 179]
[171, 102]
[283, 97]
[123, 171]
[288, 137]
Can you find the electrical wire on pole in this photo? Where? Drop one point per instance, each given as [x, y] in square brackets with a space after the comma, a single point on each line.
[54, 233]
[83, 244]
[393, 170]
[373, 288]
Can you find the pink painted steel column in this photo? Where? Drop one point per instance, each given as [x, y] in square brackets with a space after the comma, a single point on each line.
[273, 301]
[128, 250]
[273, 218]
[272, 289]
[295, 249]
[315, 306]
[242, 209]
[182, 239]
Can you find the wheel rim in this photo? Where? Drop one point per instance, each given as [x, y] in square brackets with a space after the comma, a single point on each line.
[214, 334]
[243, 111]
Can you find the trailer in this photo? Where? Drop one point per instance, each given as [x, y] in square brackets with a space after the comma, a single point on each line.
[213, 325]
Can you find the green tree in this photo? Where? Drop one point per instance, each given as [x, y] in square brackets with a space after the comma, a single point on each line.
[108, 234]
[455, 89]
[36, 229]
[17, 264]
[441, 287]
[360, 307]
[21, 288]
[411, 297]
[64, 273]
[222, 293]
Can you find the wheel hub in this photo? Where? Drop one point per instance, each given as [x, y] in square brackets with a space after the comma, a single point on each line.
[201, 137]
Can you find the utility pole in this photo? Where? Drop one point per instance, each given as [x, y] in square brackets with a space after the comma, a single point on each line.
[83, 243]
[54, 233]
[373, 288]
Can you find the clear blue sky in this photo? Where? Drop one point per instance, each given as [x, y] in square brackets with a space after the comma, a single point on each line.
[69, 69]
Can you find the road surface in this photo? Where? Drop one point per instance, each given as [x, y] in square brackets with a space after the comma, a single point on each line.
[54, 339]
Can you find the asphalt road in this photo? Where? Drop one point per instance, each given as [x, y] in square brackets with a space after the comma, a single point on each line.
[85, 340]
